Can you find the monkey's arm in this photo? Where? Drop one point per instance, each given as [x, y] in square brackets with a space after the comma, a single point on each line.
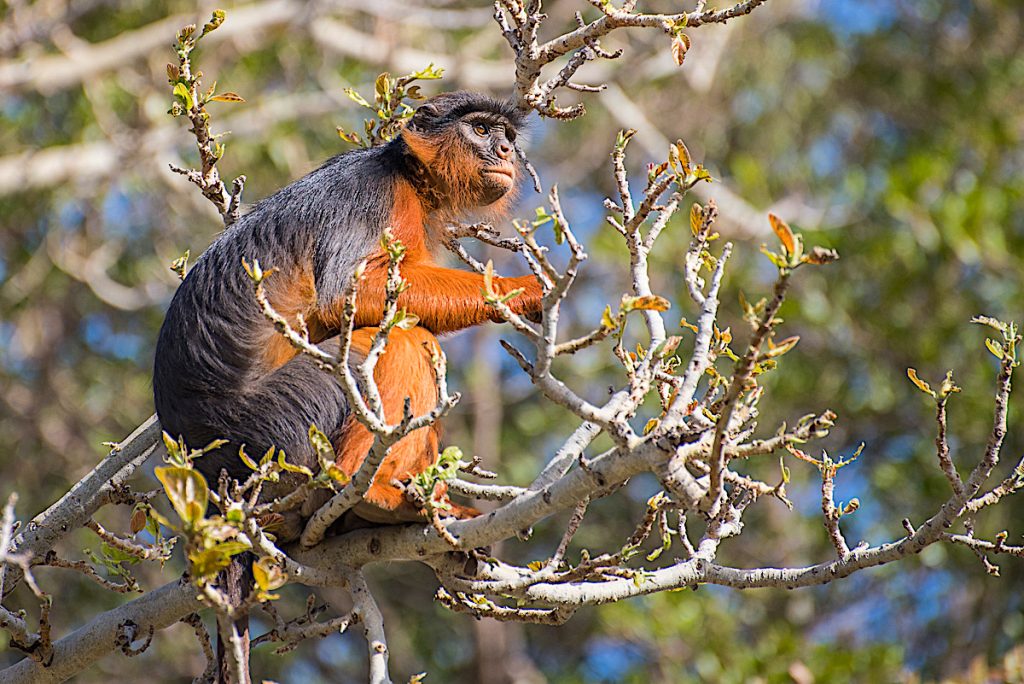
[445, 299]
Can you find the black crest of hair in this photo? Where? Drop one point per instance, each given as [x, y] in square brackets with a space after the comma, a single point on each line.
[208, 379]
[441, 110]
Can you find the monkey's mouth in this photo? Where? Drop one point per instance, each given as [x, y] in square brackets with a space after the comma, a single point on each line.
[504, 175]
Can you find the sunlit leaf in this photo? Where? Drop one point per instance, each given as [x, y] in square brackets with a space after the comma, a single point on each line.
[777, 350]
[680, 46]
[227, 97]
[187, 491]
[181, 91]
[645, 303]
[607, 322]
[290, 467]
[357, 98]
[783, 232]
[696, 218]
[268, 574]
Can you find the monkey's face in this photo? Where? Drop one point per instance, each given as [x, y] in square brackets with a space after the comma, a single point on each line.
[467, 142]
[492, 141]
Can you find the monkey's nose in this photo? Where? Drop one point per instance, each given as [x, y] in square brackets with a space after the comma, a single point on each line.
[505, 151]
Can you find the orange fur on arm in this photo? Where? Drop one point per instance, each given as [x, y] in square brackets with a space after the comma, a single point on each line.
[445, 299]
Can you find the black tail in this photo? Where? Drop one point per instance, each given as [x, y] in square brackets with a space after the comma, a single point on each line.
[277, 410]
[237, 583]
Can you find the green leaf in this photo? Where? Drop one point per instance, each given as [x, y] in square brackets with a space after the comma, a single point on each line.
[776, 259]
[995, 348]
[406, 321]
[251, 464]
[187, 491]
[357, 98]
[291, 468]
[181, 91]
[174, 450]
[206, 563]
[993, 323]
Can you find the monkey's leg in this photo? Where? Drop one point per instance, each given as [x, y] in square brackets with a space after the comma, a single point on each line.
[404, 370]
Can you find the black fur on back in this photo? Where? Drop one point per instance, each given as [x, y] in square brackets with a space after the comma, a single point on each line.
[207, 380]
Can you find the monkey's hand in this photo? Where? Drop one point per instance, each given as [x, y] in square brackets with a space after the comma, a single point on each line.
[529, 303]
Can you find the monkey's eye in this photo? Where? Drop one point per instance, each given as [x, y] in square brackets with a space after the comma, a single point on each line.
[480, 130]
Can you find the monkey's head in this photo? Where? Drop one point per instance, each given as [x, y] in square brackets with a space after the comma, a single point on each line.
[467, 143]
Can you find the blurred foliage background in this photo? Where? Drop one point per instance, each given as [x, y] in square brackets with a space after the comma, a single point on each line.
[890, 130]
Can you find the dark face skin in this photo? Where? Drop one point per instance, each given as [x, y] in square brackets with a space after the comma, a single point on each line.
[492, 137]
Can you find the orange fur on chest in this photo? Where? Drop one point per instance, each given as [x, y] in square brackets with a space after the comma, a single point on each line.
[408, 222]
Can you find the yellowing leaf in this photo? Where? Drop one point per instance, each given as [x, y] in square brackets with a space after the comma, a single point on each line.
[138, 520]
[821, 255]
[777, 350]
[489, 278]
[338, 475]
[696, 218]
[227, 97]
[680, 46]
[686, 324]
[784, 233]
[921, 384]
[382, 85]
[535, 565]
[646, 303]
[651, 424]
[607, 322]
[407, 321]
[670, 346]
[320, 441]
[187, 491]
[290, 467]
[268, 574]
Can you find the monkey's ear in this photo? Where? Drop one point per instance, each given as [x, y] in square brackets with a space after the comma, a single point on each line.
[424, 113]
[428, 109]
